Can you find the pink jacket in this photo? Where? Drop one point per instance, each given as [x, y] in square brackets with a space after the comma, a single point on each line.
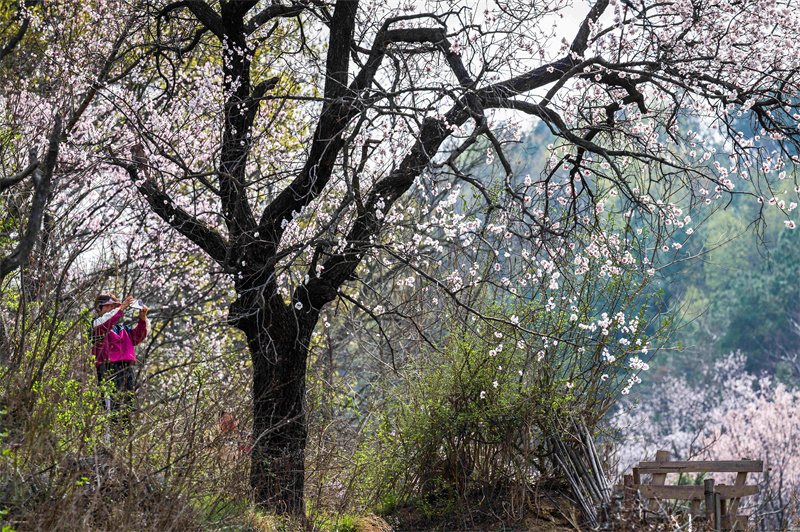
[115, 343]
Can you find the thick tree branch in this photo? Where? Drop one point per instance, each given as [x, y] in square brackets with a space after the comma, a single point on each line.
[238, 8]
[204, 14]
[581, 40]
[13, 180]
[205, 237]
[12, 43]
[384, 38]
[23, 28]
[338, 58]
[338, 268]
[41, 197]
[196, 38]
[272, 12]
[255, 97]
[555, 70]
[327, 140]
[341, 267]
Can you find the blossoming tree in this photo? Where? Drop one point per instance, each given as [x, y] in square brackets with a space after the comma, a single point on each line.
[280, 138]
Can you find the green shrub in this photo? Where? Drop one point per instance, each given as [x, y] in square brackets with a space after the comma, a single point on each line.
[470, 415]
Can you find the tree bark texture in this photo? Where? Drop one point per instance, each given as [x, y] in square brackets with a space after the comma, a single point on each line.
[278, 344]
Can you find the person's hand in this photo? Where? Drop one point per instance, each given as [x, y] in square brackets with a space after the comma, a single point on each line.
[143, 313]
[127, 303]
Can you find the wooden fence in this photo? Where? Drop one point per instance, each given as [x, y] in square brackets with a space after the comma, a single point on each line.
[721, 501]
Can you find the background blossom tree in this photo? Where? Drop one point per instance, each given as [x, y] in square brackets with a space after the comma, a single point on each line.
[767, 429]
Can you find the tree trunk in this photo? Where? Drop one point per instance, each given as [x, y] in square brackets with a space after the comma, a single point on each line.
[5, 344]
[279, 347]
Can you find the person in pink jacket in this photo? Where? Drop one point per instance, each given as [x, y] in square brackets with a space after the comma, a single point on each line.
[113, 349]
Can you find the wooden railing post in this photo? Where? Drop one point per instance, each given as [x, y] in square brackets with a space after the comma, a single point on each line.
[708, 486]
[627, 490]
[658, 478]
[741, 480]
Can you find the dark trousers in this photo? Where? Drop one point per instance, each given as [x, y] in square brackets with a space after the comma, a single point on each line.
[118, 400]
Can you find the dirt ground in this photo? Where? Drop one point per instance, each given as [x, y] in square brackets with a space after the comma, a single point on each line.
[544, 512]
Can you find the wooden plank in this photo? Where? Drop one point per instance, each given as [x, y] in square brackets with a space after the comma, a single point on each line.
[695, 507]
[741, 522]
[627, 490]
[690, 493]
[658, 478]
[637, 478]
[741, 480]
[721, 466]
